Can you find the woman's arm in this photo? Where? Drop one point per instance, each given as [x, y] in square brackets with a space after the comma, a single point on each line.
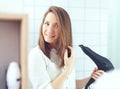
[81, 83]
[57, 82]
[95, 75]
[68, 67]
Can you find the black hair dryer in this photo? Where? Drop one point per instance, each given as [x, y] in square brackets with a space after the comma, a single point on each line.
[101, 62]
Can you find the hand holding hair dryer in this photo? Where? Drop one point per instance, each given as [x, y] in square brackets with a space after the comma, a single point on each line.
[101, 62]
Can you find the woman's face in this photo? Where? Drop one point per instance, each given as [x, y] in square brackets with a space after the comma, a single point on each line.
[51, 28]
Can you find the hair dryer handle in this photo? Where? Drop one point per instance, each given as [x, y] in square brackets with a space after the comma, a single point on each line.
[89, 82]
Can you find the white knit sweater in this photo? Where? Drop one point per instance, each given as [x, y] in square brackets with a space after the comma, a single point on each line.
[42, 71]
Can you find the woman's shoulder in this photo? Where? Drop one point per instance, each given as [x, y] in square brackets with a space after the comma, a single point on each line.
[36, 51]
[36, 59]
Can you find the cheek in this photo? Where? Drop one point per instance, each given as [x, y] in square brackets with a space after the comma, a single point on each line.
[58, 33]
[43, 30]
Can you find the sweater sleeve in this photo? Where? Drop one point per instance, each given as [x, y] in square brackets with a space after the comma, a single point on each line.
[38, 75]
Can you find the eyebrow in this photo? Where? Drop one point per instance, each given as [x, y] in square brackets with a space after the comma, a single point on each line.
[56, 23]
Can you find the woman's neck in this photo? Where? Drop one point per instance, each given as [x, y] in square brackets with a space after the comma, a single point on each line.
[53, 46]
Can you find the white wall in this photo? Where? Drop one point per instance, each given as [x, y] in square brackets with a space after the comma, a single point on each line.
[89, 22]
[114, 32]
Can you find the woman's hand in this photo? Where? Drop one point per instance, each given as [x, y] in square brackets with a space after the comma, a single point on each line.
[96, 73]
[69, 61]
[68, 66]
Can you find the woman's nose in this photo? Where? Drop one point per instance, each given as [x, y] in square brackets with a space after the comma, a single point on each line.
[50, 29]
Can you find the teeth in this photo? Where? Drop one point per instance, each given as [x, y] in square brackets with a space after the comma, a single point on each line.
[50, 35]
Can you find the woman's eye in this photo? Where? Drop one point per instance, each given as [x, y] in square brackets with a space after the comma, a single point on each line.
[46, 23]
[56, 26]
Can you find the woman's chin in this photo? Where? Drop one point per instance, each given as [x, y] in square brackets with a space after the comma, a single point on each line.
[49, 41]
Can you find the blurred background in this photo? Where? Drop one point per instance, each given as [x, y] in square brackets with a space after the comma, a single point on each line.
[95, 23]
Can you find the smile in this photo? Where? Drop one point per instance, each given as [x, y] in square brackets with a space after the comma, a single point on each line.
[50, 36]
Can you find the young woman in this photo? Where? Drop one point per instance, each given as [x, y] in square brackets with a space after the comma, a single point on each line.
[51, 63]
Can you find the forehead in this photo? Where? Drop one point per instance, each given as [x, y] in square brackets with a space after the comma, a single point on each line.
[51, 17]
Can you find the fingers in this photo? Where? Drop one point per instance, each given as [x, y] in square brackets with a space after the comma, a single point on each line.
[66, 52]
[72, 51]
[70, 59]
[65, 56]
[95, 69]
[97, 73]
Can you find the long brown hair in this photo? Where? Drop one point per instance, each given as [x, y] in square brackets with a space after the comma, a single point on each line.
[65, 38]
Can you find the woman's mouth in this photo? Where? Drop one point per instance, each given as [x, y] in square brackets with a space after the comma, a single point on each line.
[50, 35]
